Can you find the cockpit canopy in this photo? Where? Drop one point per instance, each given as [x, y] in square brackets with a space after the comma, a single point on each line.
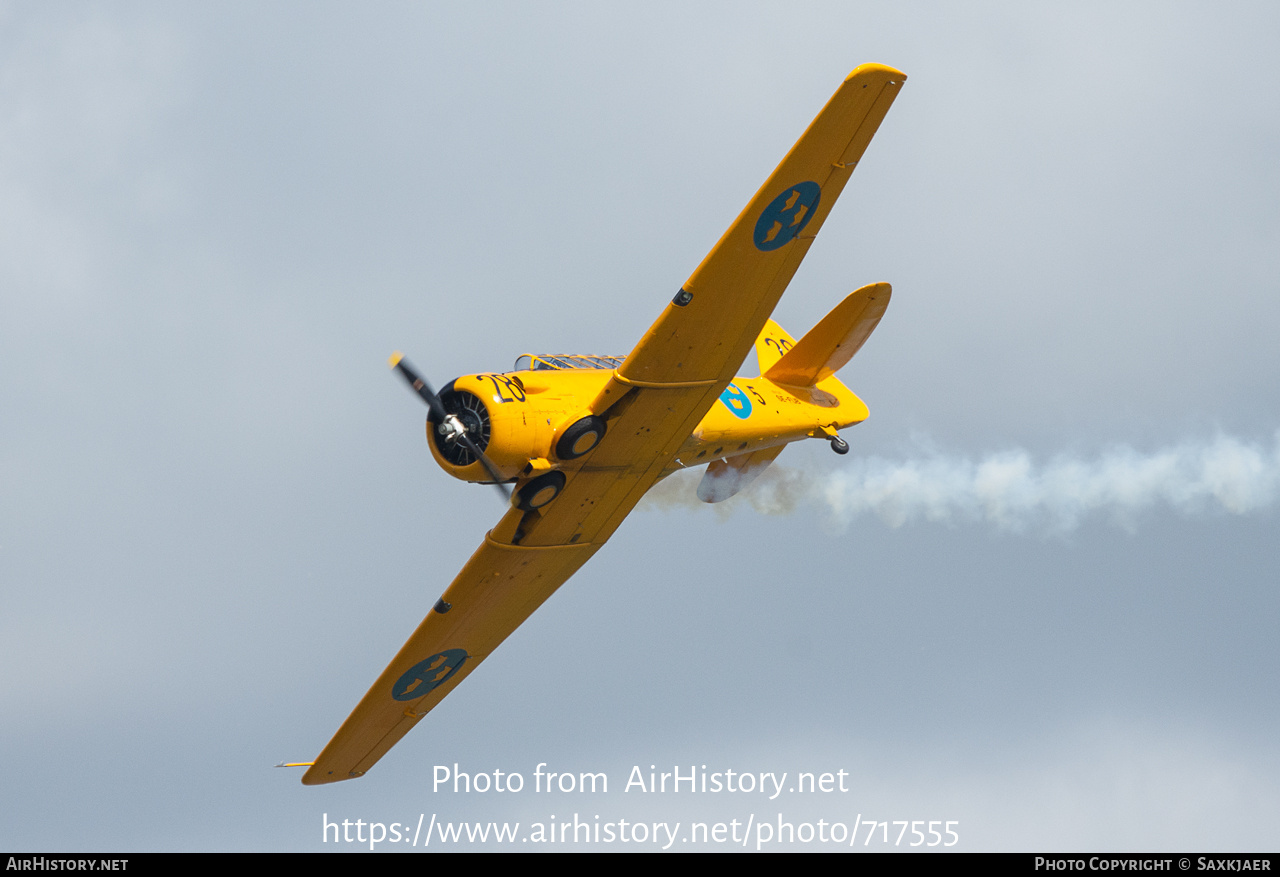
[544, 362]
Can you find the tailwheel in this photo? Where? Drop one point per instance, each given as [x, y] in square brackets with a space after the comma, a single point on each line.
[839, 445]
[540, 491]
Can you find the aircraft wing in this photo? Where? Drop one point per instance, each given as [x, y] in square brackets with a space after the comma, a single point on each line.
[671, 379]
[496, 591]
[736, 287]
[652, 404]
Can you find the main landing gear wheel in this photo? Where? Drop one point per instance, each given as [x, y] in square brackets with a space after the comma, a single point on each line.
[539, 491]
[580, 437]
[839, 445]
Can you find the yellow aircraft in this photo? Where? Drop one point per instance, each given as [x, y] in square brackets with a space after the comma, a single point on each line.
[582, 438]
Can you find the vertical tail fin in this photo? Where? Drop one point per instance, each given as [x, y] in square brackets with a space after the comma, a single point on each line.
[772, 344]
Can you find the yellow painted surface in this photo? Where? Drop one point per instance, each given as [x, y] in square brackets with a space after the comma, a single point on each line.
[828, 346]
[673, 402]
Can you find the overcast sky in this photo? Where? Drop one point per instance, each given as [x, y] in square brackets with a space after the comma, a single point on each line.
[220, 519]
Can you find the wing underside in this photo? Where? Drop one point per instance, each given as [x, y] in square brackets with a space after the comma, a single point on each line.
[496, 591]
[732, 293]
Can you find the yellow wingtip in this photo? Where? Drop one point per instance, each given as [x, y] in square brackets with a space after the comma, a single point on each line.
[395, 359]
[883, 70]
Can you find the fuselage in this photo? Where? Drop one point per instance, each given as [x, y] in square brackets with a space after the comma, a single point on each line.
[519, 418]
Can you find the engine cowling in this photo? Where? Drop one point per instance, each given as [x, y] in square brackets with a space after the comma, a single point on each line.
[517, 418]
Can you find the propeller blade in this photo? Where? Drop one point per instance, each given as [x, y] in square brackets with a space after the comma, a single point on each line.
[488, 467]
[418, 383]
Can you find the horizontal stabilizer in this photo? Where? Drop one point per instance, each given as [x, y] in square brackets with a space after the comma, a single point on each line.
[724, 478]
[826, 347]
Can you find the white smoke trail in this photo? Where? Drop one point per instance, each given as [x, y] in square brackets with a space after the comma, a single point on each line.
[1009, 491]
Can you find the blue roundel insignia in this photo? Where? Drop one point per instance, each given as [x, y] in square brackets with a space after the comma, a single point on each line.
[786, 215]
[426, 675]
[738, 402]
